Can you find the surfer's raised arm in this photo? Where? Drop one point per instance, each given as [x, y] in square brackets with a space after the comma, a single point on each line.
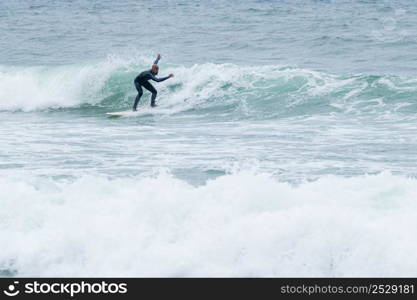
[158, 57]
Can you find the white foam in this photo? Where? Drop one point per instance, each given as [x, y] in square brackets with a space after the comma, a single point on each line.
[35, 88]
[244, 224]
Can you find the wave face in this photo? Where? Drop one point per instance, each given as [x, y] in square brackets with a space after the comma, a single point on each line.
[237, 91]
[242, 224]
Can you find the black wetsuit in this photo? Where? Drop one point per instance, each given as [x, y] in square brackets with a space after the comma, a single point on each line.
[142, 80]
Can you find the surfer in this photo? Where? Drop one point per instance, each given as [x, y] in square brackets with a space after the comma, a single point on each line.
[142, 80]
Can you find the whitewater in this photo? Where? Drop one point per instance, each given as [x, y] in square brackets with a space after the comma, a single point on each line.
[285, 145]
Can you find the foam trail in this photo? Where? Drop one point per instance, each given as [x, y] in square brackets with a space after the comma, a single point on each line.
[243, 224]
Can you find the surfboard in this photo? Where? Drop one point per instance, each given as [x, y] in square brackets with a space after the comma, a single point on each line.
[140, 112]
[126, 113]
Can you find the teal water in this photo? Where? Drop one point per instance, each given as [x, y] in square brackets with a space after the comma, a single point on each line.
[284, 145]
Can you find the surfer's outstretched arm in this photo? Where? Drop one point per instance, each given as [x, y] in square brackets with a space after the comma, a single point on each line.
[160, 79]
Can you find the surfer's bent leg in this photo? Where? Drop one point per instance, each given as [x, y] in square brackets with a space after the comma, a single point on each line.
[140, 93]
[150, 88]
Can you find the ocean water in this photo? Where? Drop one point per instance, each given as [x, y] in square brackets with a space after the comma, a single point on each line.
[285, 145]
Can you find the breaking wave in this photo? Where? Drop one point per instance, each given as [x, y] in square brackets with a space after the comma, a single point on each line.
[242, 91]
